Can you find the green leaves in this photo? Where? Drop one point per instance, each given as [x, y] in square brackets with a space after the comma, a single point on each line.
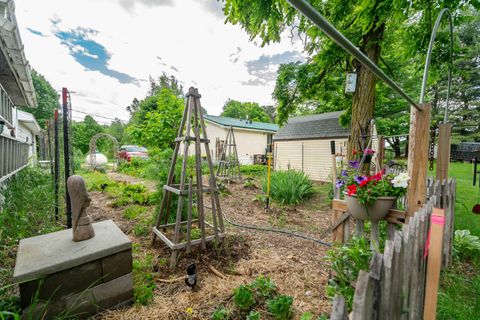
[243, 298]
[289, 186]
[281, 307]
[246, 110]
[465, 244]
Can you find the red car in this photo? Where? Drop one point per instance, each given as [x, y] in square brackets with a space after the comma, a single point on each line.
[130, 151]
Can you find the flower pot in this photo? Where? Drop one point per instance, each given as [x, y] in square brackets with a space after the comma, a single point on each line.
[375, 211]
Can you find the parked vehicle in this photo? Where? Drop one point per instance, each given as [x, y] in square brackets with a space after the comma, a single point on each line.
[128, 152]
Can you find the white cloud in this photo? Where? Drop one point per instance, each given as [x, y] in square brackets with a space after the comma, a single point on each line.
[185, 38]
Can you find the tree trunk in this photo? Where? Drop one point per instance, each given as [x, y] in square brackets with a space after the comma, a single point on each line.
[364, 97]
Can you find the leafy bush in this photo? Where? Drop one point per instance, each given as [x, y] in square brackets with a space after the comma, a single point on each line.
[346, 261]
[134, 194]
[465, 244]
[264, 286]
[220, 314]
[281, 307]
[144, 283]
[134, 212]
[243, 298]
[253, 315]
[252, 169]
[289, 187]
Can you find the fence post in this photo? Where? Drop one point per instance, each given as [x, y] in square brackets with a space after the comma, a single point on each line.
[66, 154]
[443, 151]
[434, 264]
[418, 157]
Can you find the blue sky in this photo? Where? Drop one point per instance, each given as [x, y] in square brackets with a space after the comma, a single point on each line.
[105, 51]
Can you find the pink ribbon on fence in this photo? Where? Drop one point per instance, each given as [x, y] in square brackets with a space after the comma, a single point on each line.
[436, 219]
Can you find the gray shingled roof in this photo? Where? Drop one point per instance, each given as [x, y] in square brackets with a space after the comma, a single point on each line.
[316, 126]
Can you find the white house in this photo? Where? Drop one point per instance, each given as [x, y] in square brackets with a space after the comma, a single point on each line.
[252, 138]
[16, 89]
[303, 143]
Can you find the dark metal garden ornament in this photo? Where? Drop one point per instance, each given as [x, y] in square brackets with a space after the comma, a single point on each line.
[476, 176]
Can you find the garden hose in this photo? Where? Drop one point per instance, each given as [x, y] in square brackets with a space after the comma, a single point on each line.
[287, 232]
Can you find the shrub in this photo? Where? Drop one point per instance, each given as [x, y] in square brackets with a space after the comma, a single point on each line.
[253, 315]
[346, 262]
[253, 169]
[243, 298]
[289, 187]
[465, 244]
[220, 314]
[264, 286]
[144, 283]
[281, 307]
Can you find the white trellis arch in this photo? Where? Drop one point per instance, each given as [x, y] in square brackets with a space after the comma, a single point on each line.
[93, 146]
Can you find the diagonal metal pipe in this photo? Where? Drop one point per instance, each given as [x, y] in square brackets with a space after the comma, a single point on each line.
[314, 16]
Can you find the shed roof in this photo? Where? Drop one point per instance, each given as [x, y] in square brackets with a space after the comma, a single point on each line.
[245, 124]
[316, 126]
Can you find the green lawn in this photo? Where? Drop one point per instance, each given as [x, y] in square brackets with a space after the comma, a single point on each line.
[467, 197]
[459, 293]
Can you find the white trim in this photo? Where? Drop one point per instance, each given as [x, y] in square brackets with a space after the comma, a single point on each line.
[4, 178]
[239, 128]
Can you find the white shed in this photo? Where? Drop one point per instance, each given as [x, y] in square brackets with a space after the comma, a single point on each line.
[27, 131]
[252, 138]
[303, 143]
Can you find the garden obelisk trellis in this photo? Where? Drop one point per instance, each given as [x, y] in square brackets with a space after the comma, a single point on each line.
[229, 166]
[188, 187]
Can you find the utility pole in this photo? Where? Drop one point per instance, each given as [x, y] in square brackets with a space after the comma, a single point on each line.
[66, 153]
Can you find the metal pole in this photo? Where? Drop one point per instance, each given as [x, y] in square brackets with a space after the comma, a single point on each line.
[429, 57]
[66, 154]
[314, 16]
[56, 161]
[269, 157]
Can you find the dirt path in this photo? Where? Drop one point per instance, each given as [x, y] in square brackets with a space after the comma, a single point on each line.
[296, 266]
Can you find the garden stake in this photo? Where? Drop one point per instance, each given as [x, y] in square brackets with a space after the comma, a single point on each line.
[476, 208]
[269, 156]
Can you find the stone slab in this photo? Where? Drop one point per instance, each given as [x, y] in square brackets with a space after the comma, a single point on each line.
[117, 265]
[55, 252]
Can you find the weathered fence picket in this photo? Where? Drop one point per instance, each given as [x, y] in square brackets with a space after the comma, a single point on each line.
[394, 286]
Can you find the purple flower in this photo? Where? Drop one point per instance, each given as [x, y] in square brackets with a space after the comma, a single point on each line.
[359, 179]
[344, 173]
[339, 184]
[354, 164]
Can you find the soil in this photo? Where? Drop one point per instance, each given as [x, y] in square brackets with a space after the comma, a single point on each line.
[297, 266]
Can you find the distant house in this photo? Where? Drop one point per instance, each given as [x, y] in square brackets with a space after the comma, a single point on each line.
[17, 128]
[303, 143]
[252, 138]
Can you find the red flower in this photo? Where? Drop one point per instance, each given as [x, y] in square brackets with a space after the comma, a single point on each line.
[378, 176]
[352, 189]
[354, 151]
[364, 182]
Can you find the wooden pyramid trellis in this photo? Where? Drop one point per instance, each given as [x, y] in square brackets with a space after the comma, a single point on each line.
[191, 186]
[228, 165]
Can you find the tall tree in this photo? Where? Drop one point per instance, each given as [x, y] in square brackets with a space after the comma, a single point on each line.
[245, 110]
[83, 132]
[366, 23]
[47, 99]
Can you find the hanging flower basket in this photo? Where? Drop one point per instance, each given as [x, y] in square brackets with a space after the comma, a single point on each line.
[375, 211]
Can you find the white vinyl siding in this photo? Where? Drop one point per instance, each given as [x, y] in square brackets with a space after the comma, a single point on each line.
[310, 156]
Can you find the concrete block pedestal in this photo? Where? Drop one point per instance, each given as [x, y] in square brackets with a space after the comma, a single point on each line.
[57, 275]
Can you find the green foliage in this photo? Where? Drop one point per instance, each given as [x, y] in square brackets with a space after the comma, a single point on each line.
[134, 194]
[253, 315]
[47, 99]
[465, 245]
[133, 212]
[83, 132]
[289, 186]
[306, 316]
[281, 307]
[220, 314]
[249, 183]
[244, 298]
[156, 122]
[144, 283]
[346, 262]
[264, 287]
[245, 110]
[252, 169]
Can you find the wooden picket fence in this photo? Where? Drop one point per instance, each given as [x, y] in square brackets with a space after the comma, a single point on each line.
[394, 287]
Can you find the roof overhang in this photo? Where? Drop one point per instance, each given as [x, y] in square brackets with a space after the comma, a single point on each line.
[15, 74]
[310, 138]
[29, 121]
[239, 128]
